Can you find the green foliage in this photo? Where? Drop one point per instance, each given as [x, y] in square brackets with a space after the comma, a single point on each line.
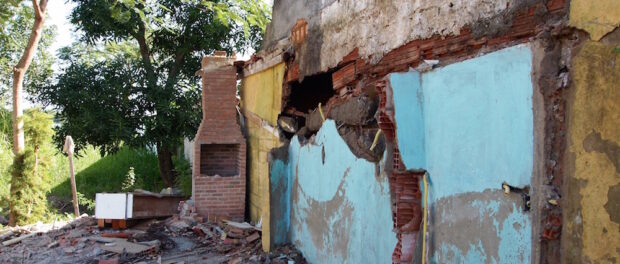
[89, 204]
[108, 174]
[14, 34]
[6, 158]
[30, 171]
[57, 165]
[131, 181]
[184, 172]
[7, 9]
[27, 197]
[99, 102]
[147, 93]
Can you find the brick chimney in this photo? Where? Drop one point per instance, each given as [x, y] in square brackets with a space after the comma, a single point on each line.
[219, 147]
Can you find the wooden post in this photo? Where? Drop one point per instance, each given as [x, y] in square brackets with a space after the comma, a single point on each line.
[68, 148]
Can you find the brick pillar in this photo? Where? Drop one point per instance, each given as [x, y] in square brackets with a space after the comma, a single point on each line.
[219, 147]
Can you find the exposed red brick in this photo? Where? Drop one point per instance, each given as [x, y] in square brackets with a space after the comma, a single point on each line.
[344, 76]
[220, 150]
[292, 73]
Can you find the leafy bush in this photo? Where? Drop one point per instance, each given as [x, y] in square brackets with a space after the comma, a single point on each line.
[30, 175]
[184, 177]
[6, 159]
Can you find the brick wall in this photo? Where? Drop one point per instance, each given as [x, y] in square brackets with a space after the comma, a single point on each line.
[219, 159]
[219, 147]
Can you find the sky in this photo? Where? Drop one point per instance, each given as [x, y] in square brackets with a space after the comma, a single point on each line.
[58, 12]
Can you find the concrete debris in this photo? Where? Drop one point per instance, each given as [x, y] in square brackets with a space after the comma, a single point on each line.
[427, 65]
[178, 239]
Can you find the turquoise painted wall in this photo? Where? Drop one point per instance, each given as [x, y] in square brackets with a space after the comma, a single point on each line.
[470, 125]
[340, 205]
[280, 206]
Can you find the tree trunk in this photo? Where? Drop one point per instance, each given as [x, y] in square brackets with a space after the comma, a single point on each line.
[166, 168]
[18, 78]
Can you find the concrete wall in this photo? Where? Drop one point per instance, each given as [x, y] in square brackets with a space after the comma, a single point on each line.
[470, 125]
[335, 28]
[261, 100]
[339, 205]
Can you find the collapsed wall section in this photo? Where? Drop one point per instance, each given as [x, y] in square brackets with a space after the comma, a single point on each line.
[341, 46]
[339, 206]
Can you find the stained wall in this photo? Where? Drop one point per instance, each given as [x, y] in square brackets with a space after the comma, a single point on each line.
[592, 217]
[340, 210]
[261, 102]
[470, 126]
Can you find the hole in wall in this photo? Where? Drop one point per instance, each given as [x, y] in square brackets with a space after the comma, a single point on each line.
[219, 159]
[313, 90]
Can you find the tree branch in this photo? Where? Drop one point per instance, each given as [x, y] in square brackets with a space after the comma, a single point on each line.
[145, 53]
[39, 8]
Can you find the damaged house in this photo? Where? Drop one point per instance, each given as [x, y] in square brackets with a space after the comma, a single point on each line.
[444, 131]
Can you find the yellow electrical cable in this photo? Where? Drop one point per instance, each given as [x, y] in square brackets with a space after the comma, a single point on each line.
[321, 112]
[424, 218]
[374, 142]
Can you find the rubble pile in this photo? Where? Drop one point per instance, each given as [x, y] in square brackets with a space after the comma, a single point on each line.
[178, 239]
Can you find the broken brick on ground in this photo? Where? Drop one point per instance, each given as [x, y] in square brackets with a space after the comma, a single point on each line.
[171, 240]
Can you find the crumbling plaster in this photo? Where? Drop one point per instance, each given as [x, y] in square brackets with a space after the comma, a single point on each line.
[261, 104]
[470, 125]
[596, 17]
[340, 210]
[592, 220]
[335, 28]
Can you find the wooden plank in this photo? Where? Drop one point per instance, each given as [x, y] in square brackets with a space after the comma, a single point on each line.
[146, 206]
[101, 223]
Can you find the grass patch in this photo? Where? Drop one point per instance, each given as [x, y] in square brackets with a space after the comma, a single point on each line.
[108, 175]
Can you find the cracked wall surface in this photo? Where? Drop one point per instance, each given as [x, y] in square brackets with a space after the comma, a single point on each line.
[592, 224]
[261, 104]
[470, 126]
[340, 210]
[597, 18]
[335, 28]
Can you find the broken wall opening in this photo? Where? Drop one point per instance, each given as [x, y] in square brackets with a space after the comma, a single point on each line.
[307, 95]
[303, 97]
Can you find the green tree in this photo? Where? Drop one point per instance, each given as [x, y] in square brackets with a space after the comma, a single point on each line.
[21, 162]
[152, 98]
[14, 35]
[7, 8]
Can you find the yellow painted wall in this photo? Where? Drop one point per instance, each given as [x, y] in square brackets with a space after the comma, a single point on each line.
[597, 17]
[261, 93]
[261, 102]
[592, 213]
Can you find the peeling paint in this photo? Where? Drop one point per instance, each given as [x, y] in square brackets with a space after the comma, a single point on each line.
[594, 135]
[261, 102]
[471, 130]
[340, 211]
[597, 18]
